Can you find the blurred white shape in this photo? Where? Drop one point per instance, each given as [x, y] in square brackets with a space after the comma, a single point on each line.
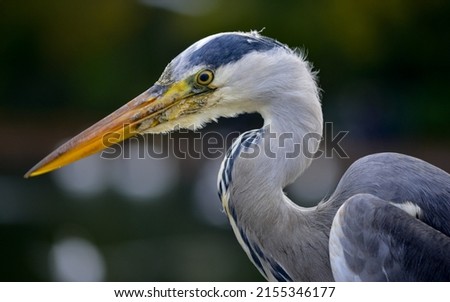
[185, 7]
[76, 259]
[318, 181]
[85, 177]
[206, 200]
[142, 179]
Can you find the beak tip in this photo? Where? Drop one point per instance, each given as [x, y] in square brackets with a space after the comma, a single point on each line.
[28, 174]
[38, 169]
[31, 173]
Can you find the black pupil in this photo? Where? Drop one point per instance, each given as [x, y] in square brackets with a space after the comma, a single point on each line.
[204, 77]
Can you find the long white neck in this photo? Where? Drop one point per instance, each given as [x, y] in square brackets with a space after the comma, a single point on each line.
[272, 229]
[295, 130]
[281, 152]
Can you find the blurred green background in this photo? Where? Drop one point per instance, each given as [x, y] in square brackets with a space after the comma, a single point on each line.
[384, 70]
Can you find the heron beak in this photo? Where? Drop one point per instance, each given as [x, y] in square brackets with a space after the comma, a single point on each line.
[156, 106]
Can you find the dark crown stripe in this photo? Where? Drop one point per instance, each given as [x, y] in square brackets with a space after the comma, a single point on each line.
[229, 48]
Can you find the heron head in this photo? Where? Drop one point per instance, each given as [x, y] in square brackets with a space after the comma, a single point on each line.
[221, 75]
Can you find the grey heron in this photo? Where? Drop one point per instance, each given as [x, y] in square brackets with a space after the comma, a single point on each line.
[388, 219]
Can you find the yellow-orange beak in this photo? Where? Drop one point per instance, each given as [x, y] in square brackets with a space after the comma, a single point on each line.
[155, 106]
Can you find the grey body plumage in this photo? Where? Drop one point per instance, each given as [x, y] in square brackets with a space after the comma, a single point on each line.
[389, 218]
[380, 242]
[394, 224]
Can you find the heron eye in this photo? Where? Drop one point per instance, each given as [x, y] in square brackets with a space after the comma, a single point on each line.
[205, 77]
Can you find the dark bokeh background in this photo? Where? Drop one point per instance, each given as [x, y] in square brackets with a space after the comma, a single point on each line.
[384, 70]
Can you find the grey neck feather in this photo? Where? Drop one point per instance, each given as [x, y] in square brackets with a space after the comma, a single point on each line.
[280, 228]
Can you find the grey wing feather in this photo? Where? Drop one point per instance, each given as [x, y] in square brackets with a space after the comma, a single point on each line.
[399, 178]
[373, 240]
